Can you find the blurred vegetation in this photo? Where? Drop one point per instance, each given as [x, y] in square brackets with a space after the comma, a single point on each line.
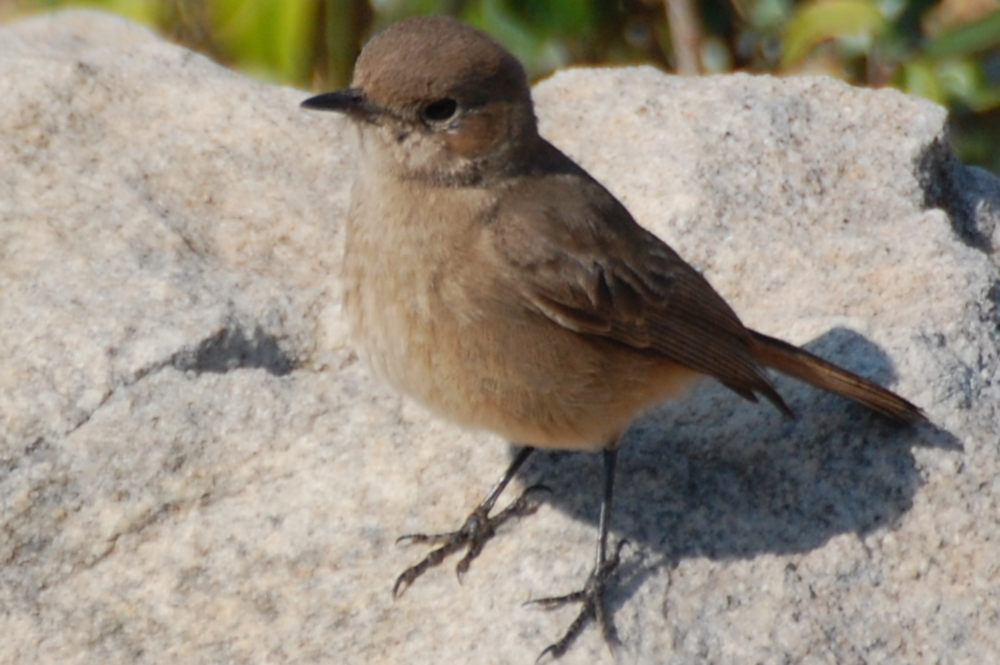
[946, 50]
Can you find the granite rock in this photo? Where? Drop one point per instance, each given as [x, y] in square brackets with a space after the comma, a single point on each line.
[196, 469]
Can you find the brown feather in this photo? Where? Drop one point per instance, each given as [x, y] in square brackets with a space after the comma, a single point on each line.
[802, 365]
[592, 269]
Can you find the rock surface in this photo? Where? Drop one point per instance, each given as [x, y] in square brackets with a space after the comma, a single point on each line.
[195, 469]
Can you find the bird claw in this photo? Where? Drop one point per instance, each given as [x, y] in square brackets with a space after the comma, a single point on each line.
[474, 533]
[592, 599]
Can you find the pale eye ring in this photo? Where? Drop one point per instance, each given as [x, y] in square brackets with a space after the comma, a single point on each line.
[440, 110]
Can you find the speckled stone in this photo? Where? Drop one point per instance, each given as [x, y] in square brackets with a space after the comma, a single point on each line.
[196, 469]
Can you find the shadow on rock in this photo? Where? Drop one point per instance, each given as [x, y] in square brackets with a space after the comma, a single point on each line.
[720, 477]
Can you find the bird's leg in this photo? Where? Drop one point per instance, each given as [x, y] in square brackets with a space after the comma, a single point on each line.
[591, 597]
[478, 528]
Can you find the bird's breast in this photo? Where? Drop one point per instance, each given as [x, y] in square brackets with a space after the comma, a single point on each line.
[403, 250]
[436, 313]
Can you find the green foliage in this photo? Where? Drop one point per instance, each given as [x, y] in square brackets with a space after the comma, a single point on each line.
[270, 38]
[817, 22]
[143, 11]
[956, 63]
[945, 50]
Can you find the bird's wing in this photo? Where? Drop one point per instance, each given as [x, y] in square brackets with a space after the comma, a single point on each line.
[584, 263]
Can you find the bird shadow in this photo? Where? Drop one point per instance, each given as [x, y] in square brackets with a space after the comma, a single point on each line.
[719, 477]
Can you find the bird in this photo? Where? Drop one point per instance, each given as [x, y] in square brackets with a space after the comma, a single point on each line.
[489, 277]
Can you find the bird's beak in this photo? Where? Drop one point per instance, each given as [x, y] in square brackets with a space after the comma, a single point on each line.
[351, 101]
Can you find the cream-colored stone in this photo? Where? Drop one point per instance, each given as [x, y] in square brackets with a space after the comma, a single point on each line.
[196, 469]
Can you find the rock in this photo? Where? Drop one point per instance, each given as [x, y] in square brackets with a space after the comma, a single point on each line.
[196, 469]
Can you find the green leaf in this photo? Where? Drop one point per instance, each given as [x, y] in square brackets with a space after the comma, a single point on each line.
[953, 83]
[819, 21]
[963, 80]
[966, 39]
[919, 78]
[272, 38]
[148, 12]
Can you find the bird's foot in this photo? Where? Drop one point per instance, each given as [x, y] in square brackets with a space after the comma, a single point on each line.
[591, 597]
[478, 528]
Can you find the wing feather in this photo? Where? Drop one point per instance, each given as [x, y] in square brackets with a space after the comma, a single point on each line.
[584, 263]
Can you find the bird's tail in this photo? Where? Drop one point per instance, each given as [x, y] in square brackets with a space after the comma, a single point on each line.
[802, 365]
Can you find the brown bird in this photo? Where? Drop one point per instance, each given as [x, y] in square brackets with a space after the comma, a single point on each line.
[491, 278]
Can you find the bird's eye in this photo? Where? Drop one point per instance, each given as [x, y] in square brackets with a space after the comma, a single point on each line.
[440, 110]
